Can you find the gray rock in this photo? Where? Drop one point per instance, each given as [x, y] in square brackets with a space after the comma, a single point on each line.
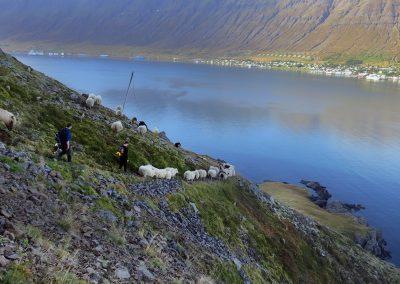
[237, 262]
[108, 216]
[145, 272]
[122, 273]
[3, 261]
[5, 213]
[193, 205]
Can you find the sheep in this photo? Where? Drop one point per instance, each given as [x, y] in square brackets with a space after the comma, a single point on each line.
[8, 88]
[90, 102]
[155, 131]
[142, 129]
[118, 111]
[166, 173]
[223, 175]
[98, 100]
[202, 173]
[214, 169]
[150, 171]
[178, 145]
[117, 126]
[147, 171]
[197, 174]
[8, 119]
[190, 175]
[212, 173]
[173, 171]
[228, 169]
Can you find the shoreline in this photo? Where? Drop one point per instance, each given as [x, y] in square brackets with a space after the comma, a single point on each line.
[372, 74]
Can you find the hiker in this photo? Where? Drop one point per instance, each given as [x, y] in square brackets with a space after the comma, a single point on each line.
[123, 156]
[64, 139]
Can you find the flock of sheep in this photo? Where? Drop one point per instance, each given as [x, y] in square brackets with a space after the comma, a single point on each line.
[223, 172]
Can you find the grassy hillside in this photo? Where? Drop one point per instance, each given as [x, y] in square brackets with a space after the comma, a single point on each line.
[88, 222]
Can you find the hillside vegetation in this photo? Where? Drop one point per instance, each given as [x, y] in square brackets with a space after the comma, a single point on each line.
[327, 28]
[87, 222]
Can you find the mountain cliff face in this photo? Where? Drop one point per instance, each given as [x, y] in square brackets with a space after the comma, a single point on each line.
[87, 222]
[319, 26]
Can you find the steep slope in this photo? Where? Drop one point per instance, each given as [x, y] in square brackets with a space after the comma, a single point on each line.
[87, 222]
[217, 26]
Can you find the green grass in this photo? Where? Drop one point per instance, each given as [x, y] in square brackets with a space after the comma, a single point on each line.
[105, 203]
[230, 213]
[16, 274]
[15, 167]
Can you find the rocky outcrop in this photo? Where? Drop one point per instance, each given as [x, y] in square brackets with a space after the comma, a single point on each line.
[372, 241]
[322, 194]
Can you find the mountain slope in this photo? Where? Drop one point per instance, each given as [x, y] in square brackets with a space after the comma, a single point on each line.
[217, 26]
[87, 222]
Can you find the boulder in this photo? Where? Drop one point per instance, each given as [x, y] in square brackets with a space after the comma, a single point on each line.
[122, 273]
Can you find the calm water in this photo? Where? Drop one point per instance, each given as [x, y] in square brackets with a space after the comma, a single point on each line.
[280, 126]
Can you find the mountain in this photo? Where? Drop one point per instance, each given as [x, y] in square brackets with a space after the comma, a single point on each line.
[324, 27]
[86, 222]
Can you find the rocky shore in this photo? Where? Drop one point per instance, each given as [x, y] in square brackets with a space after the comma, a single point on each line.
[373, 241]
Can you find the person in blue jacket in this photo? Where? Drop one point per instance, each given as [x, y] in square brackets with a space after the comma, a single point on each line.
[65, 136]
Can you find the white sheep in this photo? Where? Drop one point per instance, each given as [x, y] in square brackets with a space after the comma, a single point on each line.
[147, 171]
[90, 102]
[118, 111]
[190, 175]
[8, 119]
[202, 173]
[117, 126]
[142, 129]
[173, 171]
[8, 88]
[155, 131]
[197, 174]
[212, 173]
[151, 171]
[160, 173]
[97, 99]
[214, 169]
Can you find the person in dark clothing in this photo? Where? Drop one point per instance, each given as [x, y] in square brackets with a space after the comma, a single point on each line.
[123, 157]
[64, 137]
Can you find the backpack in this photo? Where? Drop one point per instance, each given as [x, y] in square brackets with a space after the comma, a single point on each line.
[61, 135]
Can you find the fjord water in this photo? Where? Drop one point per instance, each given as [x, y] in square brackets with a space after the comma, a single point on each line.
[281, 126]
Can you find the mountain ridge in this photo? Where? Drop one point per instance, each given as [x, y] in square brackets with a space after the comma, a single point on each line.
[321, 27]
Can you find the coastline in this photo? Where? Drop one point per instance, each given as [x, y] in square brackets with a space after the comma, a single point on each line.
[373, 74]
